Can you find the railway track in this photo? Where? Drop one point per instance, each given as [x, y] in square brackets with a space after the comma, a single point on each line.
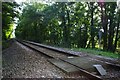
[63, 57]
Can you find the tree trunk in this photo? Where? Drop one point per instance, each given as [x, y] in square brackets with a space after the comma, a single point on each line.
[104, 25]
[86, 36]
[117, 31]
[65, 37]
[79, 39]
[111, 28]
[111, 35]
[92, 24]
[68, 29]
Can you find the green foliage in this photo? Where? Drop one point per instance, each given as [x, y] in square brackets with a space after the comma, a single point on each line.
[70, 24]
[8, 14]
[97, 52]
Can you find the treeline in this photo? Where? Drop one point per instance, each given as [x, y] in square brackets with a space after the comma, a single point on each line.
[9, 13]
[71, 24]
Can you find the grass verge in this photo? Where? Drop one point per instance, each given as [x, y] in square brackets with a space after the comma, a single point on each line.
[97, 52]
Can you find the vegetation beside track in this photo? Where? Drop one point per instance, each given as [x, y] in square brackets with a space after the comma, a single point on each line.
[98, 52]
[71, 25]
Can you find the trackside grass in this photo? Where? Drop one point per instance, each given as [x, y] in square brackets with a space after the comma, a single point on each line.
[98, 52]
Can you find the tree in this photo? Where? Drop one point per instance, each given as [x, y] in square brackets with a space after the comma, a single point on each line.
[117, 36]
[70, 24]
[9, 12]
[111, 26]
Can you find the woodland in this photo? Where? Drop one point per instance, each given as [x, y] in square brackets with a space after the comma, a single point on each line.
[94, 25]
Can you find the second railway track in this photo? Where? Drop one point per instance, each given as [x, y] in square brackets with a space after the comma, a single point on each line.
[59, 56]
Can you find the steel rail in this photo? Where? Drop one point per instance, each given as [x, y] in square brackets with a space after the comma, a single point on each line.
[51, 48]
[82, 71]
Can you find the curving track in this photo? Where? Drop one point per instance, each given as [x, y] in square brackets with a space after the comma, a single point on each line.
[113, 70]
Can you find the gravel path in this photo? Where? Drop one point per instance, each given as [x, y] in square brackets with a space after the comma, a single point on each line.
[21, 62]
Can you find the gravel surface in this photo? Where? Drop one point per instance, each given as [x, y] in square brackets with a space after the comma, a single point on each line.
[110, 71]
[111, 60]
[48, 52]
[19, 61]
